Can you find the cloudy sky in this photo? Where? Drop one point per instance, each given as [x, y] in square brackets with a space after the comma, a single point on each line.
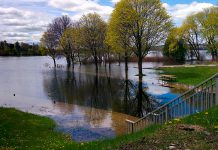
[26, 20]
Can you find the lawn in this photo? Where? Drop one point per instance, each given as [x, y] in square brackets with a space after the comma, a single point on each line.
[199, 131]
[19, 130]
[191, 75]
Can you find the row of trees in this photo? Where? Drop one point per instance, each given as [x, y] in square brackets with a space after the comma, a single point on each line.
[134, 27]
[73, 39]
[197, 30]
[19, 49]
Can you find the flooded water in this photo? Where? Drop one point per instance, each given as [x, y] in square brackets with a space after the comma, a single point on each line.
[87, 105]
[204, 54]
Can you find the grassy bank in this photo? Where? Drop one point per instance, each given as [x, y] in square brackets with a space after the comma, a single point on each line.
[19, 130]
[191, 75]
[199, 131]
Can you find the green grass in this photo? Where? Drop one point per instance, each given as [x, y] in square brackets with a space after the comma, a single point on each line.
[191, 75]
[205, 137]
[19, 130]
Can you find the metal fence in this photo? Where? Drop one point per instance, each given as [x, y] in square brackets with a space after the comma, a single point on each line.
[199, 98]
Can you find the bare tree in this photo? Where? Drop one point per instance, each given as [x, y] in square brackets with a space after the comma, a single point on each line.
[57, 28]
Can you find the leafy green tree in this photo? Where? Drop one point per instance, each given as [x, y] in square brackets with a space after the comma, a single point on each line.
[17, 47]
[175, 46]
[118, 32]
[192, 35]
[93, 34]
[209, 27]
[67, 45]
[148, 25]
[78, 40]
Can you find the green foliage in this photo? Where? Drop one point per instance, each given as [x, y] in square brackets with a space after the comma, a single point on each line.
[146, 23]
[208, 23]
[118, 31]
[93, 31]
[19, 49]
[175, 47]
[200, 28]
[48, 44]
[67, 42]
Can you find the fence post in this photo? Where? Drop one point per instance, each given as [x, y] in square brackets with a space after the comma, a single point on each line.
[166, 115]
[216, 103]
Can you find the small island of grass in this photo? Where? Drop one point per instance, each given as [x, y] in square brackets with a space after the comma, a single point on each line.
[191, 75]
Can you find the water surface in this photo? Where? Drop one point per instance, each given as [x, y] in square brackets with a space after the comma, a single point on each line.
[87, 105]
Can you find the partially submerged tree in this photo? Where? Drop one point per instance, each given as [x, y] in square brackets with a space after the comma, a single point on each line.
[67, 45]
[119, 33]
[49, 44]
[58, 26]
[93, 34]
[78, 41]
[148, 24]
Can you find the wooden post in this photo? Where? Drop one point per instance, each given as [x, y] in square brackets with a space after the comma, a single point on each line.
[216, 103]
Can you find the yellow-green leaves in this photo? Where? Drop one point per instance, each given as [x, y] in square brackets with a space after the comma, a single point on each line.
[139, 24]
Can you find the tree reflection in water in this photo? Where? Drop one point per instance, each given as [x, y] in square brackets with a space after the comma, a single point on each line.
[101, 90]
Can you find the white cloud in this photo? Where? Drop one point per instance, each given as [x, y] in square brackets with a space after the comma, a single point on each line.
[81, 7]
[21, 25]
[115, 1]
[26, 20]
[180, 11]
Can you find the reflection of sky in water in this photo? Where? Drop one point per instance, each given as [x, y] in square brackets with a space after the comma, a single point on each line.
[93, 112]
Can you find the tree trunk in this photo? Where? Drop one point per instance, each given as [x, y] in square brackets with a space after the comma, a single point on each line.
[79, 58]
[68, 61]
[96, 60]
[126, 92]
[139, 96]
[119, 58]
[72, 60]
[54, 62]
[126, 62]
[105, 61]
[214, 54]
[109, 61]
[140, 89]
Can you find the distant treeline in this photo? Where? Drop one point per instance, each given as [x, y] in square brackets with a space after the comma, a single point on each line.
[19, 49]
[161, 47]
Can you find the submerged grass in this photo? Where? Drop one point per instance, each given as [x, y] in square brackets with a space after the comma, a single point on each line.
[191, 75]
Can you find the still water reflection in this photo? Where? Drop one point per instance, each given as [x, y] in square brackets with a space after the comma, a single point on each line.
[85, 104]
